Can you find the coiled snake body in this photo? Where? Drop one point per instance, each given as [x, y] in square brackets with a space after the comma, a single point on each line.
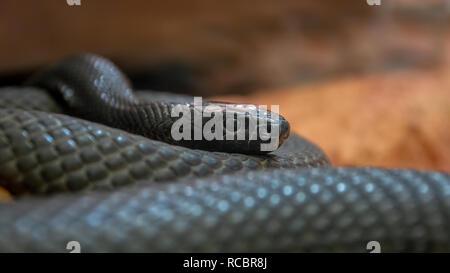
[131, 193]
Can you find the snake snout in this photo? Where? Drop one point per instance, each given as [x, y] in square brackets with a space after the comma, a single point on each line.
[285, 130]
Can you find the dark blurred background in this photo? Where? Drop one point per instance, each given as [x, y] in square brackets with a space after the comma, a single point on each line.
[367, 83]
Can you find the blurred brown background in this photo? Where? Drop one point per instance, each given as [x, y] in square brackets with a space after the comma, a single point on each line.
[369, 84]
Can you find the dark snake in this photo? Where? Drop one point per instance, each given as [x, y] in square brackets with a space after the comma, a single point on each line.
[132, 188]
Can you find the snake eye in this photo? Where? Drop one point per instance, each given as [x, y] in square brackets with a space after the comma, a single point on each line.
[233, 126]
[237, 125]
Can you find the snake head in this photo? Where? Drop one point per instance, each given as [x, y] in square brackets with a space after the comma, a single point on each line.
[234, 128]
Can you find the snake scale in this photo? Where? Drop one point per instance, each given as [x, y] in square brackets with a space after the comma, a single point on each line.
[131, 189]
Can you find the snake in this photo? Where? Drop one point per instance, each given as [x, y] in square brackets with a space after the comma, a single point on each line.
[89, 159]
